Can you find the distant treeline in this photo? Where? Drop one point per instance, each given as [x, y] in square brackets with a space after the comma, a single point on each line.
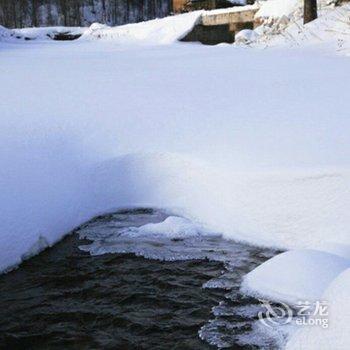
[36, 13]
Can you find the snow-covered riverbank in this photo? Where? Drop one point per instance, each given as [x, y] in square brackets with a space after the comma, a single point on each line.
[250, 143]
[273, 136]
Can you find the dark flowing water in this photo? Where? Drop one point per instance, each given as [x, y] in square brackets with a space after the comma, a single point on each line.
[67, 299]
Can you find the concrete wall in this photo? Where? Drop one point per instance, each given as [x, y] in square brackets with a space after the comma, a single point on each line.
[211, 35]
[213, 29]
[229, 17]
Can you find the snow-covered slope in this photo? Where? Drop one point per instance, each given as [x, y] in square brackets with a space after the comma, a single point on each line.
[158, 31]
[282, 25]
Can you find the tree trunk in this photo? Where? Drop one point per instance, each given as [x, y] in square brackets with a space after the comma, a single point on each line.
[310, 10]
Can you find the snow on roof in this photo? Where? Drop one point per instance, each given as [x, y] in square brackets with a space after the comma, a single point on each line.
[233, 9]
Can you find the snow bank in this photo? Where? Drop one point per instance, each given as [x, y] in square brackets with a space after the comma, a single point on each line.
[159, 31]
[42, 190]
[295, 276]
[276, 201]
[251, 166]
[336, 336]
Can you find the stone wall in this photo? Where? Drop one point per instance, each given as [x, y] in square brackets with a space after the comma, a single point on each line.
[213, 29]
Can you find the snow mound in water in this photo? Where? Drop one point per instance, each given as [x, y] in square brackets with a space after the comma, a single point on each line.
[336, 336]
[156, 235]
[159, 31]
[173, 226]
[295, 276]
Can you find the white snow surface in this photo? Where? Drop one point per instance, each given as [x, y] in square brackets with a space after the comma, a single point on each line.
[295, 276]
[253, 144]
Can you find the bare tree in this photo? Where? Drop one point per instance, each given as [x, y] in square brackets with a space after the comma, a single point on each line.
[310, 10]
[26, 13]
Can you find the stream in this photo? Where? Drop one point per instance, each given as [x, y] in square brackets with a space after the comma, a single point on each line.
[108, 286]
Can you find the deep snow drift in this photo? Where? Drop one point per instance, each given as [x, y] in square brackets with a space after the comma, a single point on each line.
[268, 166]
